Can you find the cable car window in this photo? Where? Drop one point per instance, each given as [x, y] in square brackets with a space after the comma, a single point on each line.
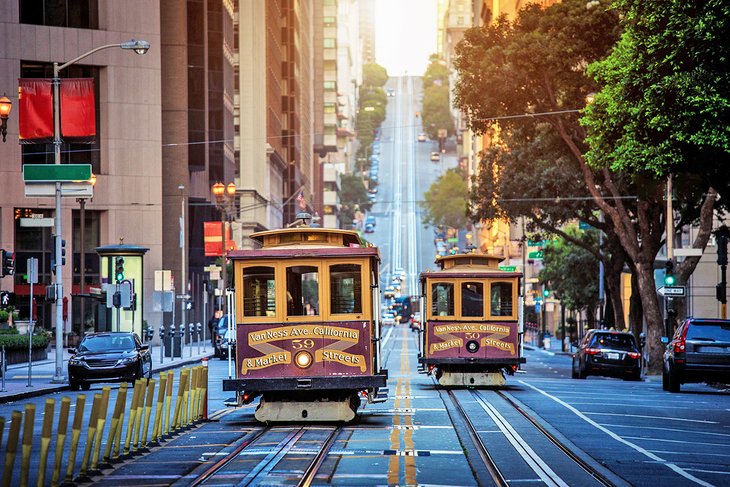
[302, 290]
[472, 299]
[442, 299]
[259, 291]
[345, 289]
[501, 299]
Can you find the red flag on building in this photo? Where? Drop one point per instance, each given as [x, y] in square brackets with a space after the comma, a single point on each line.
[35, 111]
[212, 239]
[78, 111]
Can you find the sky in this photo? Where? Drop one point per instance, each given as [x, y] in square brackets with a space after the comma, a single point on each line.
[405, 35]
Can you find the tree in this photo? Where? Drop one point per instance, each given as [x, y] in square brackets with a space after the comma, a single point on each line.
[436, 73]
[374, 74]
[353, 197]
[544, 55]
[436, 110]
[567, 273]
[445, 201]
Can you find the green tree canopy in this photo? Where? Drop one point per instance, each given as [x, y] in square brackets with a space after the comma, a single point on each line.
[445, 201]
[353, 196]
[374, 74]
[436, 111]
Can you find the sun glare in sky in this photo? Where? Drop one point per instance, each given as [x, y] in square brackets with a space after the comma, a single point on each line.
[405, 35]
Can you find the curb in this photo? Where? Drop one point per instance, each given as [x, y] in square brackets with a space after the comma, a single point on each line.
[64, 387]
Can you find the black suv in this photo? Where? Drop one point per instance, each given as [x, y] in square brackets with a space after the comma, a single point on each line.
[698, 352]
[608, 353]
[222, 336]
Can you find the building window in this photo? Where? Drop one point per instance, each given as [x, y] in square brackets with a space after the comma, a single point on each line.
[329, 43]
[92, 241]
[330, 85]
[81, 14]
[330, 108]
[330, 21]
[70, 153]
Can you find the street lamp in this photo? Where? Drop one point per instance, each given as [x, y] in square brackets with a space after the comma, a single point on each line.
[225, 202]
[82, 249]
[140, 47]
[5, 106]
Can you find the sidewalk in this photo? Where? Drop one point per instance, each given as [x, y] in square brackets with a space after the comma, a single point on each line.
[16, 377]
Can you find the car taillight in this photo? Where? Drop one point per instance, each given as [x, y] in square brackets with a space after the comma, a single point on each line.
[593, 351]
[679, 346]
[634, 354]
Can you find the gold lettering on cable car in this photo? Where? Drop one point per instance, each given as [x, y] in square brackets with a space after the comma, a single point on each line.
[471, 331]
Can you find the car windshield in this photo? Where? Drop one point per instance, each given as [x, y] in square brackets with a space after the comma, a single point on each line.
[614, 341]
[107, 343]
[709, 330]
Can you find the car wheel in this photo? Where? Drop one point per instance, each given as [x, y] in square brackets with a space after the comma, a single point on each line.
[85, 386]
[582, 373]
[73, 385]
[673, 380]
[665, 379]
[573, 371]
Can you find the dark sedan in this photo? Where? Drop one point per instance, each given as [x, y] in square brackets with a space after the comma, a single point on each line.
[223, 336]
[108, 357]
[607, 353]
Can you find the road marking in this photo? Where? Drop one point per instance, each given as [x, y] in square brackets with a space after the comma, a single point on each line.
[693, 432]
[618, 438]
[653, 417]
[523, 448]
[675, 441]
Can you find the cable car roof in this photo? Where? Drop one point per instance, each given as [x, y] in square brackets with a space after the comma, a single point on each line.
[466, 265]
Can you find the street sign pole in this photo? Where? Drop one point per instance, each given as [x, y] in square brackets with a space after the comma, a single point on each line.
[32, 266]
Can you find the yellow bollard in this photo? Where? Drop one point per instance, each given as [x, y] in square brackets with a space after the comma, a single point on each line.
[192, 396]
[204, 406]
[138, 414]
[198, 381]
[180, 404]
[186, 401]
[132, 416]
[120, 423]
[75, 434]
[118, 406]
[60, 439]
[100, 423]
[148, 411]
[27, 444]
[90, 435]
[160, 412]
[12, 447]
[168, 400]
[46, 431]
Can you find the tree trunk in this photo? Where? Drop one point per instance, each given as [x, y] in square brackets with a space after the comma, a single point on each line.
[613, 289]
[636, 312]
[652, 314]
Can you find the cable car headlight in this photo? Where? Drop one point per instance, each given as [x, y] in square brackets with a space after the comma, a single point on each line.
[472, 346]
[303, 359]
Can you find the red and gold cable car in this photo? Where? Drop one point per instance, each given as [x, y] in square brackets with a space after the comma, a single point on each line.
[471, 331]
[307, 326]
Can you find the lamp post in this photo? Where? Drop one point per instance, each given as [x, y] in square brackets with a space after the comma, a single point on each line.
[5, 106]
[225, 202]
[140, 47]
[82, 249]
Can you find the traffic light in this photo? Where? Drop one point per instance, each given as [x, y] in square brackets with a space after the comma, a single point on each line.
[669, 279]
[722, 250]
[8, 263]
[119, 269]
[53, 251]
[546, 293]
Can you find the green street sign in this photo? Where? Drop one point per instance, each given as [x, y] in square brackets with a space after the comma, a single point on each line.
[51, 173]
[452, 240]
[508, 268]
[535, 255]
[536, 243]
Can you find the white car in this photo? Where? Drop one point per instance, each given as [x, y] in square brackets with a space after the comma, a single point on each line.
[388, 319]
[422, 137]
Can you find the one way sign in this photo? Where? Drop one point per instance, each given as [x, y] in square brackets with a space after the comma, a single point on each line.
[671, 291]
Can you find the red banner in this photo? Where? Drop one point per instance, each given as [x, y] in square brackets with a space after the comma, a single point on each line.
[78, 111]
[35, 111]
[212, 239]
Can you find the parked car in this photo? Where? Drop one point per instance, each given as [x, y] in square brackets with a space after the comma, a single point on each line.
[698, 352]
[108, 357]
[416, 321]
[369, 228]
[223, 336]
[371, 197]
[607, 353]
[373, 189]
[389, 292]
[391, 92]
[422, 137]
[370, 219]
[435, 156]
[388, 319]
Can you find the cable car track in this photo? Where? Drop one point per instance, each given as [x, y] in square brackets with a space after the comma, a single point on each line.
[534, 458]
[224, 472]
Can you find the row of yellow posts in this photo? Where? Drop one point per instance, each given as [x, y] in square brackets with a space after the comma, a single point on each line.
[189, 408]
